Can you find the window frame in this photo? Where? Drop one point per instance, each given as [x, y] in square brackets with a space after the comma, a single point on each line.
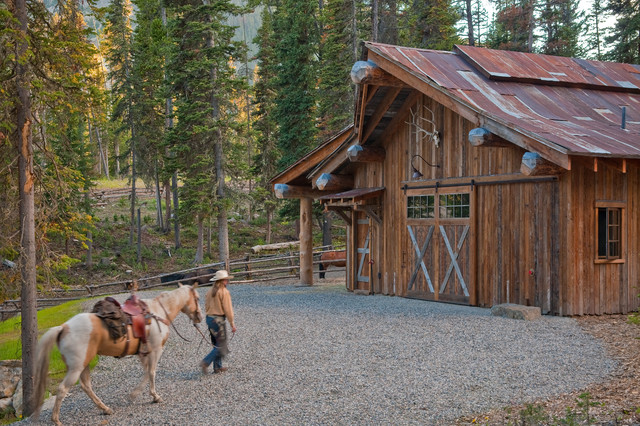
[610, 206]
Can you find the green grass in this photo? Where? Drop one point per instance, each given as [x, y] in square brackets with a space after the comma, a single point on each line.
[10, 340]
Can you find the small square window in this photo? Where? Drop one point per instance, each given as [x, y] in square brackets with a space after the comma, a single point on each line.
[609, 232]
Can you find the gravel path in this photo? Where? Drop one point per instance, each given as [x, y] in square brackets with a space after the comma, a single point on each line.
[322, 355]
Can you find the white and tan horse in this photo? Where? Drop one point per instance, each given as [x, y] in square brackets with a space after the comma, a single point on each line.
[84, 336]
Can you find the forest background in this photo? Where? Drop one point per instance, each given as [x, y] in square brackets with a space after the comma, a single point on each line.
[205, 101]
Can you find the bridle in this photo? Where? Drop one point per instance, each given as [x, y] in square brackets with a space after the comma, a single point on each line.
[193, 320]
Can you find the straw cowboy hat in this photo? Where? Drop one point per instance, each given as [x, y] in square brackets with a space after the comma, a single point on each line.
[221, 275]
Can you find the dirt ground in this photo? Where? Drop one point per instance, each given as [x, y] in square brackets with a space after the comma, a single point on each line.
[613, 402]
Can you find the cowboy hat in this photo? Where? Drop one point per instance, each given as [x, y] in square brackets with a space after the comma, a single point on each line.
[221, 275]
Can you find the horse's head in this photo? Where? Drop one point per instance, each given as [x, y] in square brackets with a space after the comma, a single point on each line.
[192, 307]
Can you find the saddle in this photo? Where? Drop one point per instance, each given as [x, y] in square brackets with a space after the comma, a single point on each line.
[138, 315]
[117, 317]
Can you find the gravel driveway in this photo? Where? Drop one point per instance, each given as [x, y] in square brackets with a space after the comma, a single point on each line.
[322, 355]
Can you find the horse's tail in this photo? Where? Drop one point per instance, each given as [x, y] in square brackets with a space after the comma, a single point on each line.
[43, 351]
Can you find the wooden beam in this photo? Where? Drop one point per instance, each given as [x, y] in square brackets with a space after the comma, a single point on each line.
[344, 213]
[306, 241]
[331, 182]
[363, 107]
[366, 154]
[384, 105]
[401, 115]
[371, 212]
[619, 164]
[283, 190]
[482, 137]
[367, 72]
[534, 165]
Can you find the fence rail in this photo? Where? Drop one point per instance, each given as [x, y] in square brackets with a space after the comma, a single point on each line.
[252, 269]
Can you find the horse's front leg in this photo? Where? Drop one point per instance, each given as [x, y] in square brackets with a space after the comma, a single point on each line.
[144, 360]
[154, 357]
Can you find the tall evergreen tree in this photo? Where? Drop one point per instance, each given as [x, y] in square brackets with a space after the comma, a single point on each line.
[147, 77]
[203, 82]
[595, 30]
[430, 25]
[266, 159]
[296, 55]
[119, 51]
[625, 37]
[337, 56]
[513, 26]
[562, 24]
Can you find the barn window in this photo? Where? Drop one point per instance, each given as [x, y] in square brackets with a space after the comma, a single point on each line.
[420, 207]
[609, 232]
[454, 206]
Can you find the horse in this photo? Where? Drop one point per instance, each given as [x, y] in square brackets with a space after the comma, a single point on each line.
[335, 257]
[84, 336]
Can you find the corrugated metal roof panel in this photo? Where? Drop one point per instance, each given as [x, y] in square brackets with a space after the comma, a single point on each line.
[575, 104]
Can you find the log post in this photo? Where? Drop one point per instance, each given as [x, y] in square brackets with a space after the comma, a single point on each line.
[366, 154]
[483, 137]
[534, 165]
[331, 182]
[306, 242]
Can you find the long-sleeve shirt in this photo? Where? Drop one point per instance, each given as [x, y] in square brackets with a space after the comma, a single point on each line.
[220, 304]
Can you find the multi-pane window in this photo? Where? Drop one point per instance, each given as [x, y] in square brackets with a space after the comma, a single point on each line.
[454, 206]
[609, 232]
[420, 207]
[449, 206]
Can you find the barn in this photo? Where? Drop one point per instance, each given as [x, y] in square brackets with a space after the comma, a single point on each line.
[483, 177]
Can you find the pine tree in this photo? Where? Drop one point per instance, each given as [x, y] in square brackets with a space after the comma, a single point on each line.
[431, 25]
[595, 30]
[625, 37]
[337, 56]
[296, 52]
[513, 26]
[203, 83]
[119, 51]
[266, 158]
[561, 22]
[147, 77]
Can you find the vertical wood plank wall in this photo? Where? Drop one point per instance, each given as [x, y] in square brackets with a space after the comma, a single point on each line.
[534, 242]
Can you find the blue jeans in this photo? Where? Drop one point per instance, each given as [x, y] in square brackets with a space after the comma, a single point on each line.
[218, 332]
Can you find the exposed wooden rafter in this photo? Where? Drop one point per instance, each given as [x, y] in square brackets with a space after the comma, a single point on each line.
[367, 72]
[482, 137]
[534, 165]
[283, 190]
[333, 182]
[380, 111]
[366, 154]
[401, 115]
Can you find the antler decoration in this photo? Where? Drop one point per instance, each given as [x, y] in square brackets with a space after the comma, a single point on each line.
[433, 134]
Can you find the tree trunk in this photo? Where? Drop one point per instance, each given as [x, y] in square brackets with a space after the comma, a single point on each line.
[375, 19]
[269, 218]
[167, 203]
[472, 41]
[199, 243]
[24, 145]
[223, 232]
[159, 217]
[133, 191]
[174, 178]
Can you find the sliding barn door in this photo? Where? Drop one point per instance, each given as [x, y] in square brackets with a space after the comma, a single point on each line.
[439, 243]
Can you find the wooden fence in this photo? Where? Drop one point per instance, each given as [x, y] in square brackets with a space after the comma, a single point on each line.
[251, 269]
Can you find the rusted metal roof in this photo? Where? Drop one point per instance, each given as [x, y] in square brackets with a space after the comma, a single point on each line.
[573, 104]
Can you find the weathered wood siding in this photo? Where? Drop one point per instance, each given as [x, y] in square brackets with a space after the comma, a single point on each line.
[532, 243]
